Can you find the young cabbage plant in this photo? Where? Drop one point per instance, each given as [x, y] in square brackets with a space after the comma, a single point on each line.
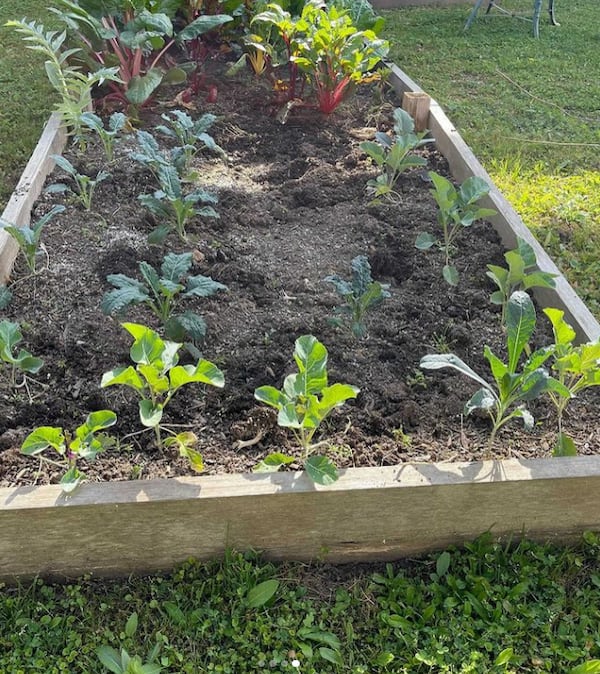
[28, 236]
[107, 135]
[84, 185]
[303, 403]
[360, 295]
[162, 292]
[191, 135]
[457, 209]
[156, 377]
[394, 155]
[174, 207]
[85, 443]
[513, 387]
[522, 274]
[18, 359]
[575, 367]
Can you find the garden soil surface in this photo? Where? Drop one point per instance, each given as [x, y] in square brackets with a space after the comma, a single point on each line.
[293, 209]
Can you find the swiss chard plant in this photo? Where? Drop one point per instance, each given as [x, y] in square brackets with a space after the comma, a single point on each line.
[18, 359]
[156, 377]
[394, 155]
[515, 384]
[83, 187]
[162, 292]
[360, 295]
[457, 209]
[303, 403]
[175, 208]
[74, 85]
[576, 367]
[521, 274]
[85, 443]
[29, 236]
[107, 135]
[133, 39]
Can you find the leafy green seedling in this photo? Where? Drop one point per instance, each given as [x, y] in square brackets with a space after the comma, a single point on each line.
[162, 293]
[512, 387]
[156, 377]
[394, 155]
[302, 404]
[153, 158]
[576, 368]
[28, 236]
[360, 294]
[86, 443]
[191, 134]
[5, 297]
[174, 207]
[84, 184]
[522, 274]
[457, 209]
[120, 662]
[116, 123]
[18, 359]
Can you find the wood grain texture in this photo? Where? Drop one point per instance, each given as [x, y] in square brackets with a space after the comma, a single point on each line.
[29, 187]
[463, 164]
[369, 514]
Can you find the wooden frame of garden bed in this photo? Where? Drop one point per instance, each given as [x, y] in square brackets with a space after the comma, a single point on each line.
[118, 528]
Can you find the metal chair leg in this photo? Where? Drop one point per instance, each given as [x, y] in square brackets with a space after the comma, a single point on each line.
[473, 14]
[537, 10]
[553, 20]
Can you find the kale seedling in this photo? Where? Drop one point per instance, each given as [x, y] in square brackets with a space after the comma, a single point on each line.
[22, 360]
[28, 236]
[174, 207]
[457, 209]
[84, 184]
[156, 377]
[394, 156]
[522, 274]
[162, 292]
[577, 368]
[302, 404]
[361, 294]
[86, 443]
[152, 157]
[512, 387]
[116, 123]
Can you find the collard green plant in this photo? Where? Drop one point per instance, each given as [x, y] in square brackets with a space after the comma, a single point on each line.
[522, 274]
[394, 155]
[457, 209]
[513, 387]
[28, 236]
[162, 293]
[19, 360]
[175, 208]
[86, 443]
[107, 135]
[360, 295]
[303, 403]
[156, 377]
[84, 185]
[576, 367]
[73, 85]
[191, 134]
[120, 662]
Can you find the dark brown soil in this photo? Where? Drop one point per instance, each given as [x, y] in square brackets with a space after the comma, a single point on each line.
[293, 209]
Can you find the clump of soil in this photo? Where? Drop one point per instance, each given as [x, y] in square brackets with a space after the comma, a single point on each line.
[293, 210]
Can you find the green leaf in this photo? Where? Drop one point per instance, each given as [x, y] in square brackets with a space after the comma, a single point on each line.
[97, 421]
[424, 241]
[331, 656]
[440, 360]
[202, 286]
[142, 87]
[71, 480]
[482, 399]
[311, 357]
[150, 414]
[127, 376]
[520, 324]
[204, 372]
[450, 274]
[147, 346]
[110, 658]
[564, 446]
[261, 593]
[43, 437]
[589, 667]
[174, 612]
[203, 24]
[272, 463]
[5, 297]
[321, 470]
[131, 625]
[270, 396]
[383, 659]
[504, 657]
[443, 564]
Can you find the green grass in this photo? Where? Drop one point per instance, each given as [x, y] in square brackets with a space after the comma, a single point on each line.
[25, 94]
[454, 612]
[530, 109]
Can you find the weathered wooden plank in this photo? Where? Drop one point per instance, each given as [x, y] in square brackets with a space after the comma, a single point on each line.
[18, 209]
[463, 163]
[369, 514]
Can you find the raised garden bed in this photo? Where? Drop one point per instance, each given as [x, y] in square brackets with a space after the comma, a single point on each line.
[371, 512]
